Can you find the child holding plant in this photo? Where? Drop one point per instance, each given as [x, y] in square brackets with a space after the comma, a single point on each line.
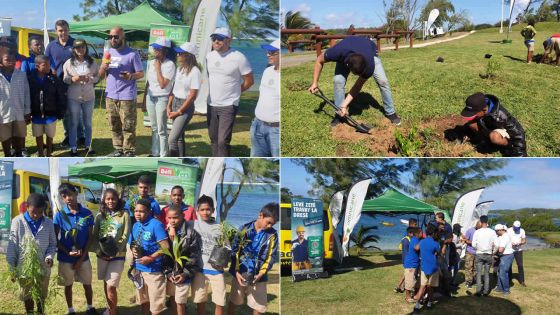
[148, 236]
[177, 197]
[75, 225]
[181, 263]
[32, 225]
[254, 251]
[211, 275]
[144, 188]
[111, 231]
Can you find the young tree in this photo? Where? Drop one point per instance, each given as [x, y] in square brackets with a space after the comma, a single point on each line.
[458, 20]
[251, 18]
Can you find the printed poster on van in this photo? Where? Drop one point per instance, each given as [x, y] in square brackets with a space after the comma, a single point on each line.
[307, 236]
[6, 180]
[171, 174]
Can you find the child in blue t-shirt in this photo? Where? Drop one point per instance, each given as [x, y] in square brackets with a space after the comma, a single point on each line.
[403, 246]
[411, 262]
[148, 235]
[429, 249]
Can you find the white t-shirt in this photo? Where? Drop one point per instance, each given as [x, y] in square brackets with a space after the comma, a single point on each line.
[505, 242]
[516, 238]
[483, 240]
[168, 72]
[184, 83]
[268, 106]
[225, 75]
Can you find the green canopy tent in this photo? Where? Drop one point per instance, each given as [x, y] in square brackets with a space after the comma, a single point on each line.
[136, 23]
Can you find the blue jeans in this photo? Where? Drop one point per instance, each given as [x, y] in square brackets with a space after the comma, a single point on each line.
[483, 263]
[79, 112]
[157, 112]
[66, 124]
[265, 140]
[341, 74]
[503, 276]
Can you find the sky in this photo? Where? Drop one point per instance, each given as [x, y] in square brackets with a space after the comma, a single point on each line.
[369, 13]
[533, 182]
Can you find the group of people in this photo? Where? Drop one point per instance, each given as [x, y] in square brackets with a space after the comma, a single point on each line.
[432, 260]
[139, 231]
[59, 83]
[551, 44]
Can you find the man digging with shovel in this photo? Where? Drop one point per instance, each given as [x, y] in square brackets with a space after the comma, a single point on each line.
[356, 54]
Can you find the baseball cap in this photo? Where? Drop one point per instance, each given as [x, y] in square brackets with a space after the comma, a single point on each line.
[187, 47]
[161, 42]
[79, 43]
[517, 224]
[272, 47]
[499, 227]
[221, 33]
[474, 104]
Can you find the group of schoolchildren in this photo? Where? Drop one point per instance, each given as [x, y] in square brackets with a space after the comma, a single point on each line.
[431, 260]
[140, 231]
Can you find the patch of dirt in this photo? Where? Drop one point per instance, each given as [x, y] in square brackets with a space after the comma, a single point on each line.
[380, 140]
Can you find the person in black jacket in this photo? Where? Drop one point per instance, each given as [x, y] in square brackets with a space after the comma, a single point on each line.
[48, 103]
[489, 121]
[180, 275]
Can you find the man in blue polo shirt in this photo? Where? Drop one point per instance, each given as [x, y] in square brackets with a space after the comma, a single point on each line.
[356, 54]
[144, 187]
[75, 225]
[429, 248]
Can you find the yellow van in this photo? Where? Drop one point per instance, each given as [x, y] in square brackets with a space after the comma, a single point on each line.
[286, 237]
[26, 182]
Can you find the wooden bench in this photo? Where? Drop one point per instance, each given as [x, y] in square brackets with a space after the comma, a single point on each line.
[382, 36]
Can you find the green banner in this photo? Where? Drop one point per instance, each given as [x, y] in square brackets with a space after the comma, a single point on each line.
[307, 236]
[6, 179]
[171, 174]
[178, 34]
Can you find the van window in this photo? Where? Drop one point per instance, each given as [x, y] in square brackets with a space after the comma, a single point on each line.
[286, 218]
[38, 185]
[89, 196]
[15, 186]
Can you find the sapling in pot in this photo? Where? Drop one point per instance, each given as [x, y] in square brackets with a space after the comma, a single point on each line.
[221, 253]
[246, 258]
[73, 231]
[107, 242]
[175, 255]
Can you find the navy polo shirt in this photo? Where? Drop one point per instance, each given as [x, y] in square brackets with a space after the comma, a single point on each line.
[428, 250]
[59, 54]
[354, 45]
[149, 233]
[82, 220]
[299, 251]
[34, 225]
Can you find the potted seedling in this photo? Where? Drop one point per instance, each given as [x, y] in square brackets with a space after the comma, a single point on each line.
[175, 255]
[221, 253]
[136, 245]
[246, 258]
[73, 231]
[107, 242]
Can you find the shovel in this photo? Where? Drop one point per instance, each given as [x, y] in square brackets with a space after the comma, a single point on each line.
[363, 128]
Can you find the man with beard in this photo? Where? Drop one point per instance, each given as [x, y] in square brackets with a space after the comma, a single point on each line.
[300, 250]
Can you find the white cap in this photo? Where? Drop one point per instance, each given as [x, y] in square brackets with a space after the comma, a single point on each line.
[517, 224]
[161, 42]
[274, 46]
[499, 227]
[187, 47]
[222, 31]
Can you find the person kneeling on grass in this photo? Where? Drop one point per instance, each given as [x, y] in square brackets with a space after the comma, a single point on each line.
[32, 222]
[148, 235]
[489, 121]
[429, 248]
[179, 277]
[111, 231]
[254, 252]
[48, 103]
[550, 44]
[74, 226]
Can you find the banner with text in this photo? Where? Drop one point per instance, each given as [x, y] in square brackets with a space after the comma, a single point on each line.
[307, 236]
[171, 174]
[6, 180]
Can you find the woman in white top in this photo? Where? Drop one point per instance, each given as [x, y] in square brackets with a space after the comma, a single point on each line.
[160, 75]
[180, 107]
[80, 73]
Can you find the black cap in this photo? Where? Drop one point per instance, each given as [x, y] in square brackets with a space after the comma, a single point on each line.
[474, 104]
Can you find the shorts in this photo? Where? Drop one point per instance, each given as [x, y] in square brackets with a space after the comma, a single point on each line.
[38, 130]
[218, 288]
[153, 291]
[16, 128]
[431, 280]
[554, 45]
[181, 291]
[409, 278]
[530, 44]
[69, 275]
[256, 295]
[110, 271]
[25, 290]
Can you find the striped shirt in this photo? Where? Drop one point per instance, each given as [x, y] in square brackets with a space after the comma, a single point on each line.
[15, 101]
[45, 238]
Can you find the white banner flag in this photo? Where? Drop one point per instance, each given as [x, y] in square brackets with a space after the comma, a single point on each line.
[335, 207]
[482, 209]
[354, 203]
[45, 29]
[511, 5]
[432, 17]
[212, 176]
[203, 25]
[56, 201]
[464, 209]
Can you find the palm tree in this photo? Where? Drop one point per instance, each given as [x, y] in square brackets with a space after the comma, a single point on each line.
[251, 18]
[362, 238]
[294, 19]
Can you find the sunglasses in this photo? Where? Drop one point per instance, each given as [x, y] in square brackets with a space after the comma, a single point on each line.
[271, 54]
[217, 38]
[113, 36]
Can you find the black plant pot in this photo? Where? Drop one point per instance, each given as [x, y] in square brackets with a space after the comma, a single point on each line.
[138, 249]
[249, 277]
[219, 257]
[108, 246]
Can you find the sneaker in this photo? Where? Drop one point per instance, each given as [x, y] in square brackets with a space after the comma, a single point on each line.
[336, 121]
[65, 143]
[395, 120]
[506, 293]
[129, 154]
[91, 311]
[74, 152]
[116, 153]
[24, 153]
[90, 152]
[429, 305]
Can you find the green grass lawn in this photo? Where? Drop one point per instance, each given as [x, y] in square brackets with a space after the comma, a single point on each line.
[197, 140]
[370, 291]
[10, 304]
[428, 96]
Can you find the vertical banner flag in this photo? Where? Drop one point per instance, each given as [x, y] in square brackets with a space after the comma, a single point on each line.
[335, 207]
[307, 236]
[54, 183]
[213, 173]
[354, 203]
[482, 209]
[203, 25]
[463, 213]
[431, 19]
[45, 29]
[511, 5]
[6, 180]
[5, 26]
[171, 174]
